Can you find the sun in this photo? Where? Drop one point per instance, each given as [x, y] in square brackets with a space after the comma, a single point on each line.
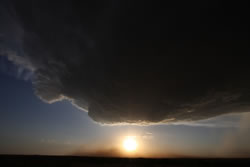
[130, 144]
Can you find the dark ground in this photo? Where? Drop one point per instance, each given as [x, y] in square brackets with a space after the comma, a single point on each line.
[74, 161]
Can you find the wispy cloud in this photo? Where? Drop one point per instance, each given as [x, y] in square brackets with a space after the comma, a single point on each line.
[223, 121]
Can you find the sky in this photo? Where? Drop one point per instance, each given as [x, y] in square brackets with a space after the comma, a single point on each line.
[79, 78]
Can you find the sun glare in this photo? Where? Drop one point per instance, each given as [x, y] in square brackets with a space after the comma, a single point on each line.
[130, 143]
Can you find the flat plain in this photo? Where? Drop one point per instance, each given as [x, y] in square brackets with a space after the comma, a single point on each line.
[78, 161]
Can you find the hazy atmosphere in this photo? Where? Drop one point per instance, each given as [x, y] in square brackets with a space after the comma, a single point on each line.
[121, 78]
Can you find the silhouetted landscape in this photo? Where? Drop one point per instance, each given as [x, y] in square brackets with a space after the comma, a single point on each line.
[77, 161]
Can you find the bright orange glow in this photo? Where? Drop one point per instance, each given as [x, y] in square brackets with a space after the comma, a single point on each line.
[130, 144]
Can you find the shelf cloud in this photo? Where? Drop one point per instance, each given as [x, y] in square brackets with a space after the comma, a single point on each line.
[126, 63]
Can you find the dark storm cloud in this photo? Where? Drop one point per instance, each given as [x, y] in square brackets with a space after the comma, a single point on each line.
[128, 62]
